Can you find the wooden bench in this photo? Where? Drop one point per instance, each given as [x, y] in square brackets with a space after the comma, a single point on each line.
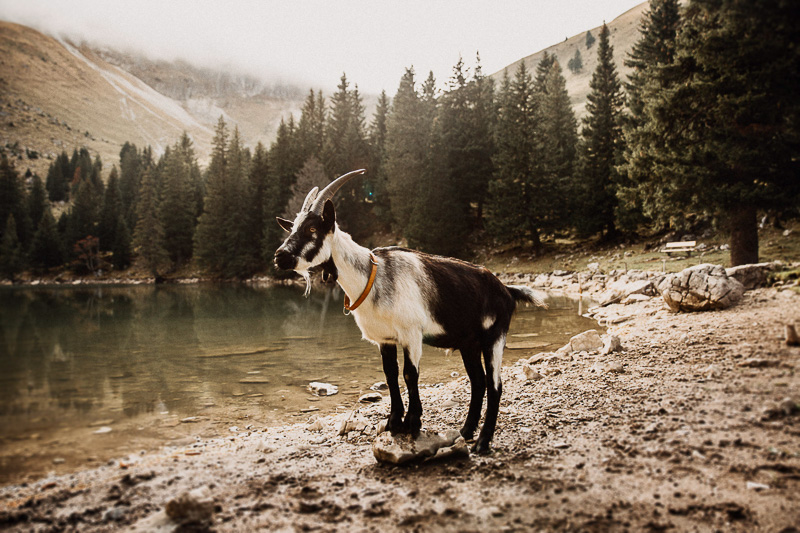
[686, 247]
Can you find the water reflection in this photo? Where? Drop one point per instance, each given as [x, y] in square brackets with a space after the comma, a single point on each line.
[78, 357]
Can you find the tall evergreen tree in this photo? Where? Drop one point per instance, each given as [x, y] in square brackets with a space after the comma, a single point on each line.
[408, 137]
[47, 249]
[110, 211]
[311, 127]
[13, 203]
[37, 201]
[210, 245]
[241, 258]
[131, 167]
[284, 163]
[647, 60]
[602, 143]
[58, 177]
[515, 192]
[726, 115]
[259, 178]
[178, 206]
[379, 195]
[12, 256]
[148, 235]
[346, 149]
[575, 64]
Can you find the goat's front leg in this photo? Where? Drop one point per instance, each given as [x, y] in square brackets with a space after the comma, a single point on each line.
[413, 420]
[391, 371]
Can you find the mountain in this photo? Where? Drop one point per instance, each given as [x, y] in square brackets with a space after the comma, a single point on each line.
[624, 33]
[59, 95]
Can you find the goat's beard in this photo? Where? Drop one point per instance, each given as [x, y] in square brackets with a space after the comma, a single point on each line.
[306, 276]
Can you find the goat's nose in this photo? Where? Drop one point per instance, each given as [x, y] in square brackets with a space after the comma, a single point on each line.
[284, 260]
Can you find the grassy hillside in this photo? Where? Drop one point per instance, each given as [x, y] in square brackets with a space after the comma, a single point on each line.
[56, 95]
[624, 33]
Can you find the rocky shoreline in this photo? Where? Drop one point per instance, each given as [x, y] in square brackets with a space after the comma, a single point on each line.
[688, 421]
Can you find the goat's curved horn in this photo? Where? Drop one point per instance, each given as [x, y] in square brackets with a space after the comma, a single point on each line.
[310, 197]
[328, 192]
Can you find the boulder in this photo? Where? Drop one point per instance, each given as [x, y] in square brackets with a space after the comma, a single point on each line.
[611, 343]
[751, 276]
[400, 449]
[322, 389]
[588, 341]
[703, 287]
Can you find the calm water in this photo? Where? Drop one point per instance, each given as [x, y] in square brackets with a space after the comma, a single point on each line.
[92, 373]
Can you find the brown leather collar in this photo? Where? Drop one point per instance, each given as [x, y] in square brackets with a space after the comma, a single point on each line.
[370, 282]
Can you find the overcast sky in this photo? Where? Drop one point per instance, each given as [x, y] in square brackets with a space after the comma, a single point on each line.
[313, 42]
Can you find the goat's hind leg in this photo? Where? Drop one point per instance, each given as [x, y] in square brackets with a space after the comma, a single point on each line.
[477, 380]
[413, 421]
[391, 371]
[493, 360]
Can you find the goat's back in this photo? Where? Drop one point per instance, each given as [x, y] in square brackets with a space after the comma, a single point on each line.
[468, 302]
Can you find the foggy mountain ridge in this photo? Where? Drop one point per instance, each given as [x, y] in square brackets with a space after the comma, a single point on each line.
[56, 94]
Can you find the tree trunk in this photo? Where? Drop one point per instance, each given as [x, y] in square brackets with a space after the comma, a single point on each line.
[744, 235]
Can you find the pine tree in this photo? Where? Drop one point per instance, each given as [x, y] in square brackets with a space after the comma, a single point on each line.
[648, 58]
[408, 136]
[111, 209]
[37, 201]
[47, 249]
[58, 176]
[13, 202]
[241, 259]
[210, 247]
[311, 127]
[379, 194]
[284, 163]
[589, 39]
[346, 149]
[602, 143]
[131, 167]
[178, 206]
[515, 193]
[148, 235]
[726, 116]
[11, 253]
[259, 188]
[575, 65]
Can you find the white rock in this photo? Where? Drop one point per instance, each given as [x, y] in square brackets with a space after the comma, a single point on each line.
[700, 288]
[530, 373]
[322, 389]
[752, 485]
[370, 397]
[588, 341]
[611, 343]
[399, 449]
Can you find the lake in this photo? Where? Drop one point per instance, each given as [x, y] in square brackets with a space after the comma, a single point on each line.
[90, 373]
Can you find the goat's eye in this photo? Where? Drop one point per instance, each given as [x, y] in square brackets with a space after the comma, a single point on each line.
[312, 229]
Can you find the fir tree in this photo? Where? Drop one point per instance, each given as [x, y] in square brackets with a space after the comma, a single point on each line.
[11, 253]
[726, 116]
[379, 194]
[178, 207]
[648, 58]
[311, 127]
[111, 210]
[13, 202]
[241, 258]
[575, 65]
[408, 136]
[346, 149]
[131, 167]
[210, 247]
[58, 175]
[148, 235]
[284, 163]
[37, 201]
[259, 188]
[589, 39]
[602, 143]
[47, 249]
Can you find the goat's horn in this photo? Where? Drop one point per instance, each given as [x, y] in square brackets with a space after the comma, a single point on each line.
[310, 197]
[328, 192]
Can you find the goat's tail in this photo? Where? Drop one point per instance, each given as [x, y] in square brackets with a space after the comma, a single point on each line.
[521, 293]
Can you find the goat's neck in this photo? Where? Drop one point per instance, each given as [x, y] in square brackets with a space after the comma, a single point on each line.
[351, 260]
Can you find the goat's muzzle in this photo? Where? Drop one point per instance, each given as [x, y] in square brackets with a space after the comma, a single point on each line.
[284, 260]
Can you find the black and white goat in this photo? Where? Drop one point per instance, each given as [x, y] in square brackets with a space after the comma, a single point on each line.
[406, 298]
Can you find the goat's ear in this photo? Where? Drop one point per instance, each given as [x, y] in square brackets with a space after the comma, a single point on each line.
[329, 213]
[285, 224]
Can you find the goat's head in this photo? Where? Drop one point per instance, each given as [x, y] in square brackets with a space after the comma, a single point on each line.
[310, 234]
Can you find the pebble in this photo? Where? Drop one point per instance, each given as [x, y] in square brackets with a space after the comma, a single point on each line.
[322, 389]
[370, 397]
[752, 485]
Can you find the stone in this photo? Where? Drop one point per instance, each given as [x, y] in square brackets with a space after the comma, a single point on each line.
[703, 287]
[526, 345]
[588, 341]
[401, 449]
[751, 276]
[354, 422]
[531, 374]
[379, 386]
[371, 397]
[611, 343]
[322, 389]
[194, 506]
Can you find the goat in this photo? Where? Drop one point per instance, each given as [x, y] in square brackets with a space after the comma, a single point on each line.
[408, 298]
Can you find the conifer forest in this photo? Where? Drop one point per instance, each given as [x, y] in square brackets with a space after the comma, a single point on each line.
[708, 123]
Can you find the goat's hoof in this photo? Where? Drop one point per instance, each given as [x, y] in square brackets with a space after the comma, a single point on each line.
[467, 434]
[482, 447]
[395, 425]
[412, 426]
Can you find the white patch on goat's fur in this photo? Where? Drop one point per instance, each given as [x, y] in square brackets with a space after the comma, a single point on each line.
[497, 359]
[488, 322]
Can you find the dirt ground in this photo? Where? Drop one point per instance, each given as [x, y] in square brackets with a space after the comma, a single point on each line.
[694, 426]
